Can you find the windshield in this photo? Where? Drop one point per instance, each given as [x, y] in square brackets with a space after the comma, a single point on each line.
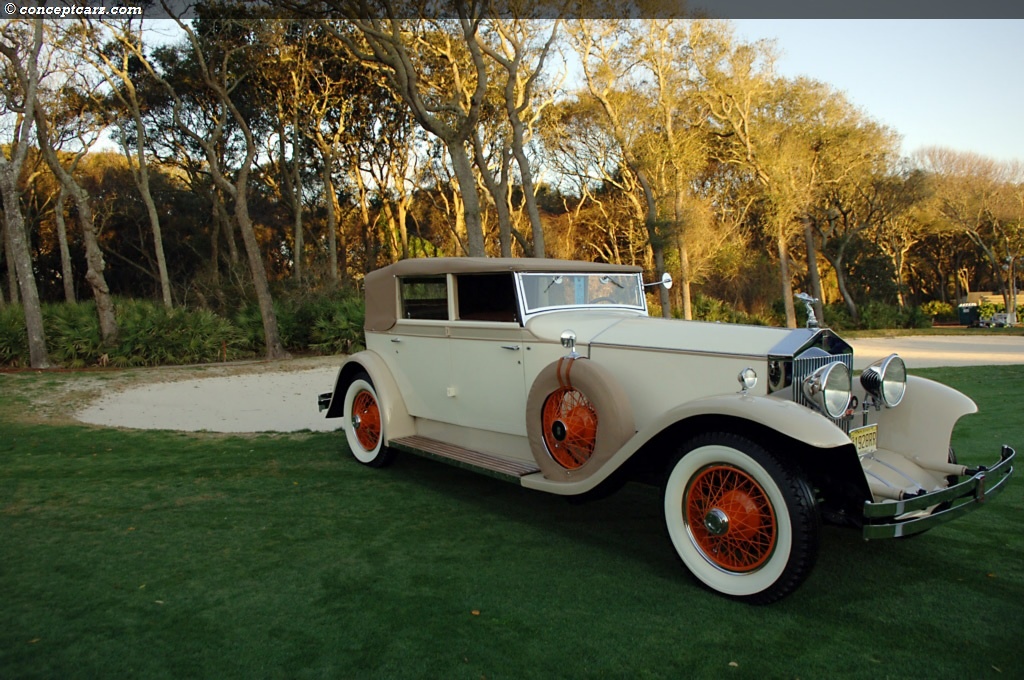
[553, 291]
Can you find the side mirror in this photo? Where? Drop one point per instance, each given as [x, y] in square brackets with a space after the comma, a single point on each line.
[666, 281]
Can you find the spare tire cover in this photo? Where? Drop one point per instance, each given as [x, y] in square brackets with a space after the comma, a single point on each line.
[577, 417]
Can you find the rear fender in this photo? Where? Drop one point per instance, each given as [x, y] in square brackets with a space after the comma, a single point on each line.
[396, 419]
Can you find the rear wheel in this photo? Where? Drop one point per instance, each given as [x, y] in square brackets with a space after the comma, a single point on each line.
[364, 425]
[744, 523]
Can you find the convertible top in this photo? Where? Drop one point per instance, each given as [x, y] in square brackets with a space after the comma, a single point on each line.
[382, 285]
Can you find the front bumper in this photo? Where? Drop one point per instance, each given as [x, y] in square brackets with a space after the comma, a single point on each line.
[883, 519]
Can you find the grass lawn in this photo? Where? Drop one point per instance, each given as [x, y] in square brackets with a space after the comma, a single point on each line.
[156, 554]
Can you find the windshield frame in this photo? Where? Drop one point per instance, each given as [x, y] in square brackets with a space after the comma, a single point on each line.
[527, 288]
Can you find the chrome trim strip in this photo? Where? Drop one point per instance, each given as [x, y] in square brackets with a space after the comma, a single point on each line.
[689, 352]
[963, 498]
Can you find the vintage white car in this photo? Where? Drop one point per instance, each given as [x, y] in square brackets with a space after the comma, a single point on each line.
[551, 374]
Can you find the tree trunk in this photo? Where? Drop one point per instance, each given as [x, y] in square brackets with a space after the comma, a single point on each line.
[787, 284]
[851, 305]
[813, 272]
[331, 201]
[142, 181]
[94, 269]
[470, 200]
[684, 255]
[271, 334]
[12, 274]
[93, 255]
[67, 274]
[21, 257]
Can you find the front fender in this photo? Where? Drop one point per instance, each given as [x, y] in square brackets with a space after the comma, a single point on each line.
[785, 417]
[921, 426]
[396, 419]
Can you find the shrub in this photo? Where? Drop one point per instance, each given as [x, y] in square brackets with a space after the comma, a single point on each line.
[13, 336]
[325, 323]
[73, 334]
[150, 334]
[339, 329]
[938, 310]
[706, 308]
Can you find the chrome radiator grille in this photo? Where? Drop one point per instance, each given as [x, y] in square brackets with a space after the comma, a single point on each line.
[804, 366]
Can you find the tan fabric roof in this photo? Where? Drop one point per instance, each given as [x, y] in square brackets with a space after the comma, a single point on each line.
[381, 286]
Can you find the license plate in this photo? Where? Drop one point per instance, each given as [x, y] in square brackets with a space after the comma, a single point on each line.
[865, 438]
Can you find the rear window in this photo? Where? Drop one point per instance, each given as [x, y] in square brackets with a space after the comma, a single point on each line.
[424, 297]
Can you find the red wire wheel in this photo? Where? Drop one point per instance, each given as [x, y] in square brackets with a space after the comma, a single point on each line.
[730, 518]
[569, 427]
[366, 420]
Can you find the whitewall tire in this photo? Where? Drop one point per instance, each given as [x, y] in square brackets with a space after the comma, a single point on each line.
[744, 523]
[364, 423]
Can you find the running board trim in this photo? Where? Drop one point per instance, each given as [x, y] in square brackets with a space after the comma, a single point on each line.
[485, 463]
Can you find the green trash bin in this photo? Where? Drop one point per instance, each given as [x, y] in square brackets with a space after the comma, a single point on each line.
[968, 314]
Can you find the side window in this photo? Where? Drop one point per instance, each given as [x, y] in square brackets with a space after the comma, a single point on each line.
[424, 297]
[487, 297]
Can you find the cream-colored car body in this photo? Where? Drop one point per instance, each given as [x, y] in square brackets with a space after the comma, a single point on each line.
[458, 387]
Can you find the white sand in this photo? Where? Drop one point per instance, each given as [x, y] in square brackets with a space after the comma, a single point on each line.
[274, 401]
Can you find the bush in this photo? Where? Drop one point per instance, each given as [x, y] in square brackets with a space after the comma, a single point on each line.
[150, 334]
[706, 308]
[938, 310]
[339, 330]
[327, 323]
[878, 315]
[13, 336]
[73, 334]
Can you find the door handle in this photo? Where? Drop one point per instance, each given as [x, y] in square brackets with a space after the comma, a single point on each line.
[514, 348]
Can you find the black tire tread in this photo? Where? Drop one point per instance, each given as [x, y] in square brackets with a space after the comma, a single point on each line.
[804, 515]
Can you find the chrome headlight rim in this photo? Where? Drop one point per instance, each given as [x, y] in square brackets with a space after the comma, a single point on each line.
[886, 380]
[830, 389]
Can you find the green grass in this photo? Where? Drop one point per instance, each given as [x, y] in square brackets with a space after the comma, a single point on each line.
[151, 555]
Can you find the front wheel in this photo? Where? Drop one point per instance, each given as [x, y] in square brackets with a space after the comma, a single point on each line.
[745, 524]
[364, 426]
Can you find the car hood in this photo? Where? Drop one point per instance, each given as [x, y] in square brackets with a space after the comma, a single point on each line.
[625, 329]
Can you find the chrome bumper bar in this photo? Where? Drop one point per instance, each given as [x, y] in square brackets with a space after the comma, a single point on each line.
[882, 519]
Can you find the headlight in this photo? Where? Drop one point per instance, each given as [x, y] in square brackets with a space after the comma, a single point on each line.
[829, 388]
[886, 380]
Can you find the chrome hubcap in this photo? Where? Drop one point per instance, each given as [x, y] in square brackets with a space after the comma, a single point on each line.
[716, 522]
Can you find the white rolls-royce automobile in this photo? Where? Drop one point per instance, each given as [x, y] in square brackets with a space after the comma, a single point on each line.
[551, 374]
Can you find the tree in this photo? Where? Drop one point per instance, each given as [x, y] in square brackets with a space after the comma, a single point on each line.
[606, 67]
[224, 54]
[119, 61]
[735, 82]
[982, 199]
[437, 68]
[67, 119]
[513, 51]
[20, 85]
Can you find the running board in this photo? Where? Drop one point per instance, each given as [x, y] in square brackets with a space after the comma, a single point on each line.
[485, 463]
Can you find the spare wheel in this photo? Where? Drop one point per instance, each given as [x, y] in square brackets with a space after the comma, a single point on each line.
[577, 417]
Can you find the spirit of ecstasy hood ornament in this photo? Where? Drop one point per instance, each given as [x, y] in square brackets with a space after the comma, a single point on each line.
[812, 320]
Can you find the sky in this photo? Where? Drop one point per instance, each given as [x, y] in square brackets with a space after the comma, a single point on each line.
[951, 83]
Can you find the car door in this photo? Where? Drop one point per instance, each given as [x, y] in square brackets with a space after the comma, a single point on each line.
[418, 347]
[487, 349]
